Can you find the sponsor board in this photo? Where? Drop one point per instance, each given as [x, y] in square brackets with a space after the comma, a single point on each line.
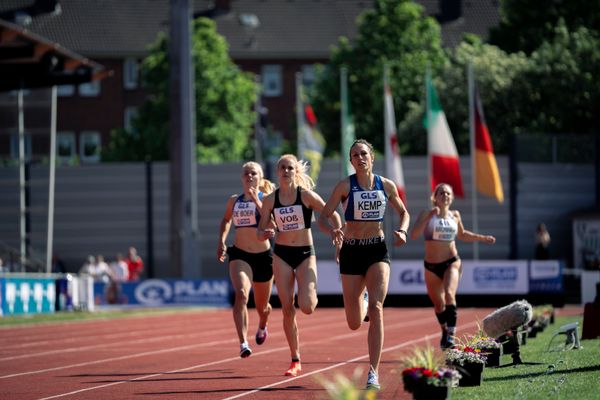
[160, 292]
[545, 276]
[27, 295]
[407, 277]
[494, 277]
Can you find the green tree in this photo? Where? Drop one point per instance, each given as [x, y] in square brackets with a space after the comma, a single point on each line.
[560, 91]
[551, 91]
[395, 32]
[224, 101]
[526, 24]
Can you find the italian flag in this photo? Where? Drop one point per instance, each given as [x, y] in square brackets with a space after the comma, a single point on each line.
[443, 157]
[487, 177]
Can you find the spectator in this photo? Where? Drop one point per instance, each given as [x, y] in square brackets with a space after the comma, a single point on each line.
[134, 264]
[119, 269]
[542, 242]
[89, 266]
[58, 266]
[103, 271]
[96, 268]
[119, 272]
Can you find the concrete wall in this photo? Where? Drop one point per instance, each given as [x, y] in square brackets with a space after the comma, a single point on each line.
[101, 209]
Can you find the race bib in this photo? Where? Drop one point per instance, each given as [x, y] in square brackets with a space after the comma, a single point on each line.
[244, 214]
[369, 205]
[289, 218]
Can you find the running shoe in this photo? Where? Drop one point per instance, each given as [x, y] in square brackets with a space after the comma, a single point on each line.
[245, 350]
[366, 301]
[295, 369]
[444, 339]
[261, 335]
[373, 380]
[447, 340]
[450, 341]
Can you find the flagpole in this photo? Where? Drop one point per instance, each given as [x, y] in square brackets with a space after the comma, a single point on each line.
[299, 116]
[471, 82]
[389, 230]
[428, 116]
[258, 139]
[343, 122]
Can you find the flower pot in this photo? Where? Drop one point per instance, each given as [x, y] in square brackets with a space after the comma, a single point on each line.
[430, 392]
[533, 331]
[523, 337]
[509, 344]
[493, 357]
[472, 374]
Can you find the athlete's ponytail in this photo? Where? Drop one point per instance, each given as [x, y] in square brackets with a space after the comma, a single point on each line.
[301, 178]
[266, 186]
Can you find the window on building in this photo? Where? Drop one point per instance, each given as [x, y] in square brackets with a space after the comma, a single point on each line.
[65, 146]
[128, 116]
[89, 146]
[272, 84]
[90, 89]
[14, 146]
[130, 73]
[65, 90]
[15, 93]
[308, 75]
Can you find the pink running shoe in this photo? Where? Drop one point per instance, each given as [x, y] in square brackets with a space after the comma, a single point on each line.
[261, 335]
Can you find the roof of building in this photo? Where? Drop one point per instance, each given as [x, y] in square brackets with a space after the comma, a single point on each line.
[28, 60]
[254, 29]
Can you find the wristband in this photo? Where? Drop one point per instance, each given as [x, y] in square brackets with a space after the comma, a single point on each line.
[403, 231]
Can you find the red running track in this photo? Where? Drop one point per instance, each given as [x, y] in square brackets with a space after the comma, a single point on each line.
[194, 355]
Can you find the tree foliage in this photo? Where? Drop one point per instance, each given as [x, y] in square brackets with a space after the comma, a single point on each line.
[560, 92]
[396, 33]
[224, 100]
[551, 91]
[526, 24]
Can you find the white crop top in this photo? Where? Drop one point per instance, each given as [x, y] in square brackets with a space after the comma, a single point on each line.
[441, 229]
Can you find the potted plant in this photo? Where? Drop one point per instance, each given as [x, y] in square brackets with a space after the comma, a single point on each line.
[490, 347]
[469, 361]
[343, 388]
[426, 376]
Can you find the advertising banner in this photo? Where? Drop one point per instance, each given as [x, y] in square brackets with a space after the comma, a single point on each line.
[545, 276]
[586, 244]
[27, 295]
[407, 277]
[161, 292]
[328, 278]
[479, 277]
[494, 277]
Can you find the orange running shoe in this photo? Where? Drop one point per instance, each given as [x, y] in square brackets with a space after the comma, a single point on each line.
[295, 369]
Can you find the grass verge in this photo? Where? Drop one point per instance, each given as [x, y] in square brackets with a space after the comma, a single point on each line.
[549, 372]
[87, 315]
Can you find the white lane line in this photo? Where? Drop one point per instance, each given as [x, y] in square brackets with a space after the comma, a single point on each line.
[104, 345]
[103, 338]
[148, 353]
[283, 348]
[341, 364]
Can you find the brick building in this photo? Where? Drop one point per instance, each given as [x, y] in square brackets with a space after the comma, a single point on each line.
[271, 38]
